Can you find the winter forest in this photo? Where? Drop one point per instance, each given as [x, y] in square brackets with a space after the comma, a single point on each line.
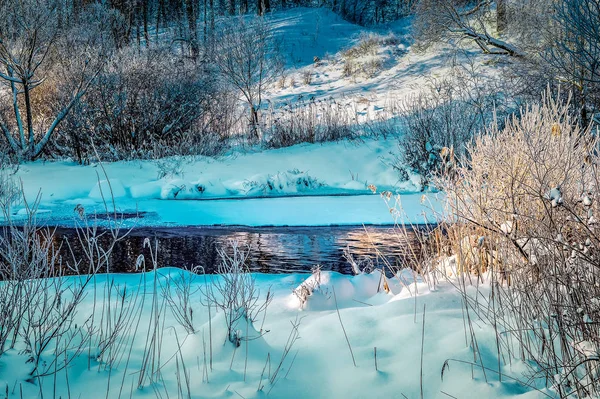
[299, 199]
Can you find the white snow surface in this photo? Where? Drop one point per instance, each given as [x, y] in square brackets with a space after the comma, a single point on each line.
[307, 184]
[319, 364]
[306, 33]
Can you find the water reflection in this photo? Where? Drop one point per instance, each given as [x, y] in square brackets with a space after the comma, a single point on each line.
[272, 250]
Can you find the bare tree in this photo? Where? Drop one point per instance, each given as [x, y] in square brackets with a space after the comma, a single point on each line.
[32, 43]
[576, 52]
[501, 15]
[246, 56]
[451, 20]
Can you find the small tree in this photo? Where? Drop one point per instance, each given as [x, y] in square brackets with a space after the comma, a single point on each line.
[33, 47]
[246, 57]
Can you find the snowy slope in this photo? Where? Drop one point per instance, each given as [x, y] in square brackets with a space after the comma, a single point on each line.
[306, 33]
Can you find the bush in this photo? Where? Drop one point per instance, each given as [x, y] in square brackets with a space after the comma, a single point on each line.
[307, 77]
[363, 58]
[432, 122]
[143, 106]
[309, 121]
[529, 196]
[235, 293]
[367, 45]
[447, 114]
[8, 187]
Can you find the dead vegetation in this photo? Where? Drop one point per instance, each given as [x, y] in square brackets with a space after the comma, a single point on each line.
[520, 241]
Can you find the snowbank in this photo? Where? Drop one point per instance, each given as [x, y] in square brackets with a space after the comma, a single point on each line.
[307, 185]
[317, 365]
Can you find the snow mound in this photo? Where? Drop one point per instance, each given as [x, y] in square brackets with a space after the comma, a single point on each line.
[264, 184]
[151, 189]
[290, 182]
[324, 290]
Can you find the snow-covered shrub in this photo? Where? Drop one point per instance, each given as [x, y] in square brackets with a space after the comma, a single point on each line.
[282, 82]
[530, 194]
[431, 123]
[38, 304]
[292, 181]
[8, 187]
[307, 77]
[364, 58]
[177, 292]
[170, 167]
[447, 114]
[367, 45]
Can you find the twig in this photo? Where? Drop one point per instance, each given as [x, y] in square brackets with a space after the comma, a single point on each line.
[342, 324]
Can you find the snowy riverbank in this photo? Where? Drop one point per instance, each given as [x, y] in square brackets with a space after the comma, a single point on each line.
[303, 185]
[317, 365]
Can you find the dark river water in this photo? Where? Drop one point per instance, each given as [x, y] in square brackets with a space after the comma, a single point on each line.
[272, 249]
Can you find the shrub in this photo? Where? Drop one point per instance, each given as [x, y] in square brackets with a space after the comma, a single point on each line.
[432, 122]
[363, 58]
[144, 105]
[447, 113]
[8, 187]
[234, 292]
[529, 196]
[309, 122]
[367, 45]
[307, 77]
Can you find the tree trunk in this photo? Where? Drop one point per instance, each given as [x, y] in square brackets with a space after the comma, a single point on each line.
[145, 19]
[191, 18]
[212, 16]
[263, 6]
[501, 15]
[254, 122]
[205, 25]
[159, 14]
[29, 116]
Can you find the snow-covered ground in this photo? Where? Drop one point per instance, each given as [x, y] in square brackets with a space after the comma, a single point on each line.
[305, 185]
[318, 364]
[370, 93]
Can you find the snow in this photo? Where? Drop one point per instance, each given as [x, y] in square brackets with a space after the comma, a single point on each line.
[107, 188]
[305, 33]
[291, 211]
[371, 94]
[303, 185]
[319, 364]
